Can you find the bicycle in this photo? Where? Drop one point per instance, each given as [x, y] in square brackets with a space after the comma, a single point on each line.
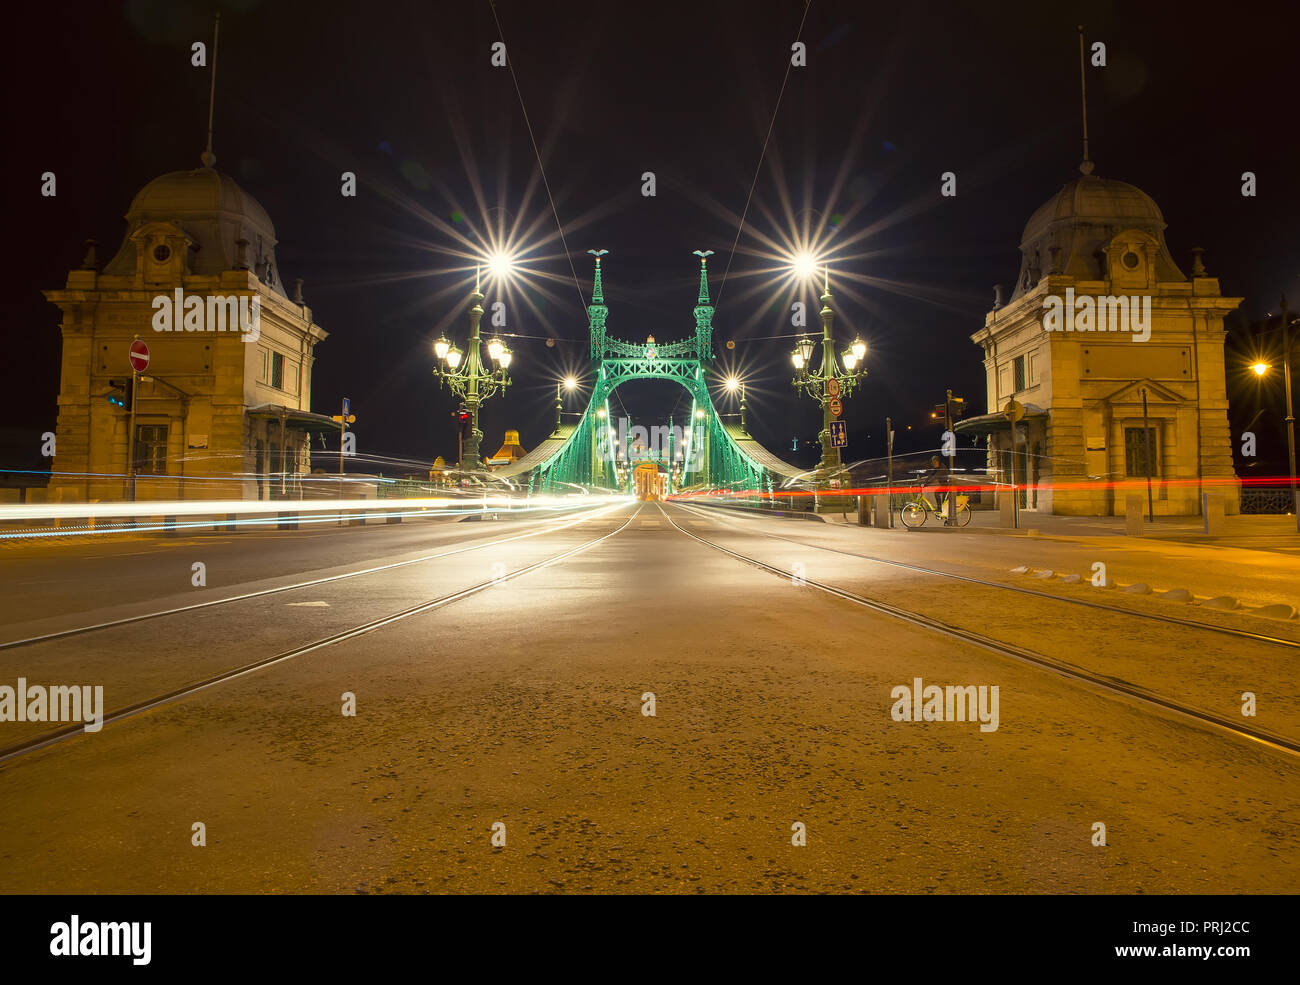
[917, 510]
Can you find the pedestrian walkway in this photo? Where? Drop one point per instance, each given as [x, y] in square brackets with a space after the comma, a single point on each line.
[1255, 532]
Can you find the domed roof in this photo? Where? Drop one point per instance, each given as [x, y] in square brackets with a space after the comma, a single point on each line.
[1080, 220]
[1096, 199]
[198, 193]
[215, 213]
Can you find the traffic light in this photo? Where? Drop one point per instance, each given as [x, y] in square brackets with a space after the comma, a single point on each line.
[957, 405]
[121, 393]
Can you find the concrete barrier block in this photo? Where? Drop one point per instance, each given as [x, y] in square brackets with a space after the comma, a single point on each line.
[1212, 511]
[1133, 523]
[1006, 509]
[880, 512]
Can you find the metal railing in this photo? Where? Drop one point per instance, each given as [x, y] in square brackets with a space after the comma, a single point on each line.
[1258, 501]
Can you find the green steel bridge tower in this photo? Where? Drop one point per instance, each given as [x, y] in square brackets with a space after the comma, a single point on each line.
[715, 455]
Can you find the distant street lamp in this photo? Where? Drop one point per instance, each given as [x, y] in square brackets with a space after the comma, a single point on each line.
[830, 384]
[1261, 368]
[568, 383]
[732, 384]
[466, 373]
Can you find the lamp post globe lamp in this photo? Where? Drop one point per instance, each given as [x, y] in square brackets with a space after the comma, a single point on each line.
[468, 375]
[832, 381]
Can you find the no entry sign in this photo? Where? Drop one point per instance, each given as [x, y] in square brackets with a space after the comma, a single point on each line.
[139, 356]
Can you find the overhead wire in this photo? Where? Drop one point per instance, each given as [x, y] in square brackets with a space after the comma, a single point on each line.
[761, 157]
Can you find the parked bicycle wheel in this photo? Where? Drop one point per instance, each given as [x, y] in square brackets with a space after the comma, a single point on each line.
[913, 515]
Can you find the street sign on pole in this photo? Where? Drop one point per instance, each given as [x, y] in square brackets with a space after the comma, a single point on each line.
[138, 354]
[839, 434]
[832, 387]
[837, 407]
[344, 420]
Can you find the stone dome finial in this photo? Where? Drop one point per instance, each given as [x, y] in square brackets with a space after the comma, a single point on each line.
[1085, 166]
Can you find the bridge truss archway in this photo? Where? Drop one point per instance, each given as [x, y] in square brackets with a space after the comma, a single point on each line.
[713, 454]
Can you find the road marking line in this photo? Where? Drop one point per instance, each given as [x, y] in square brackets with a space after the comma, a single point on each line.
[306, 584]
[1133, 692]
[67, 732]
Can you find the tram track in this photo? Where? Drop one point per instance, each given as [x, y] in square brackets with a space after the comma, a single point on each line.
[1115, 686]
[1018, 589]
[297, 586]
[55, 736]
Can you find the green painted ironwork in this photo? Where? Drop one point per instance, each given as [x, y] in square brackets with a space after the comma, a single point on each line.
[712, 457]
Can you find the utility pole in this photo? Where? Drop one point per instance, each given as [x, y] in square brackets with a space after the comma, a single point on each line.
[130, 439]
[950, 519]
[1146, 433]
[343, 430]
[1290, 412]
[344, 419]
[1013, 413]
[889, 457]
[1015, 493]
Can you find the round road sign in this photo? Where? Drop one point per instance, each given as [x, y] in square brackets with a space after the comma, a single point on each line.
[833, 387]
[837, 408]
[139, 356]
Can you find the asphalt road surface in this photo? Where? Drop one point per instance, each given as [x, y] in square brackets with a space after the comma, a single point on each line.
[503, 673]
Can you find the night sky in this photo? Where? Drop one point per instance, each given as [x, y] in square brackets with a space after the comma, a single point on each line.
[404, 95]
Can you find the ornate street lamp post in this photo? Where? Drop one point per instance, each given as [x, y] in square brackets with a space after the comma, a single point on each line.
[1261, 369]
[468, 375]
[830, 384]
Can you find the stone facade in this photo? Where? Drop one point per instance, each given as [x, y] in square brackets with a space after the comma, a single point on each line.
[214, 413]
[1081, 447]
